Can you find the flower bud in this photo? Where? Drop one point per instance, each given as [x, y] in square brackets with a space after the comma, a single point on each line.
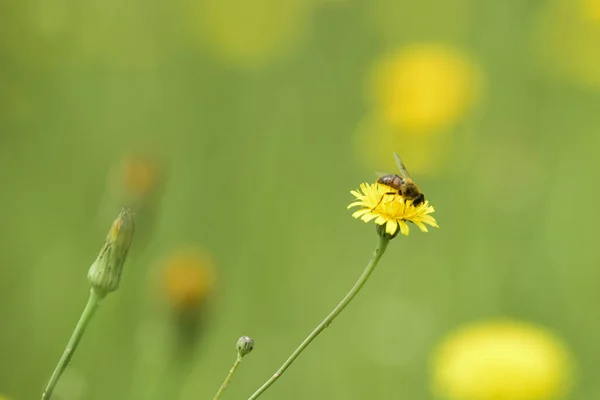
[105, 272]
[245, 344]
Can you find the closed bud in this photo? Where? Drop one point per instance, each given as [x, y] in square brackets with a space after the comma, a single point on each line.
[105, 272]
[245, 344]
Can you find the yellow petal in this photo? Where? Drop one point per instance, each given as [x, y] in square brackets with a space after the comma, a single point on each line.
[355, 204]
[368, 217]
[430, 220]
[421, 226]
[361, 212]
[381, 220]
[403, 228]
[391, 227]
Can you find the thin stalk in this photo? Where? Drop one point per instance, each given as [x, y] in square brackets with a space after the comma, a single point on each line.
[235, 366]
[86, 317]
[383, 242]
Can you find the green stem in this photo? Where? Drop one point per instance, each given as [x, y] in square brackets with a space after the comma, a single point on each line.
[86, 316]
[235, 366]
[383, 242]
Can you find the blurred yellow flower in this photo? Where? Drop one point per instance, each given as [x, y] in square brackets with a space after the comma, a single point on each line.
[390, 210]
[501, 360]
[189, 278]
[566, 37]
[249, 34]
[591, 10]
[424, 87]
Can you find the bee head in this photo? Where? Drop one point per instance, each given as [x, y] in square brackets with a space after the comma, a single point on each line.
[419, 199]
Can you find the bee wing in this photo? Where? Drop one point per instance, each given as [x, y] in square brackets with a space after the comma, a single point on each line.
[403, 172]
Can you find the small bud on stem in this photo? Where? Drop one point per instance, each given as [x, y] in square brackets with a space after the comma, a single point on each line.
[105, 272]
[104, 275]
[245, 344]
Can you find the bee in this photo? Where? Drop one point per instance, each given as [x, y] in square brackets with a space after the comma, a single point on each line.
[402, 184]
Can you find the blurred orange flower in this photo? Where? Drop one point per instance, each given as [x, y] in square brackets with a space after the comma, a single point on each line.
[501, 360]
[423, 88]
[189, 278]
[137, 177]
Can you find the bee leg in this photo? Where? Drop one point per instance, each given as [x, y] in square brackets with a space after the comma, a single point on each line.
[381, 199]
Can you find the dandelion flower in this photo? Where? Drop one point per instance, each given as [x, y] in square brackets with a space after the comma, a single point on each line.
[501, 360]
[390, 210]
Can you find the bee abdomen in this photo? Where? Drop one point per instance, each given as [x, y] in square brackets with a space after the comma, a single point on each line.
[393, 181]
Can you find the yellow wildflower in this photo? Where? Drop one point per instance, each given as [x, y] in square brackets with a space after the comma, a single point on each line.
[501, 360]
[425, 87]
[377, 203]
[188, 278]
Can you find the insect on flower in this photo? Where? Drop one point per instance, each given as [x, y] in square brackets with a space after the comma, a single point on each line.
[402, 184]
[404, 203]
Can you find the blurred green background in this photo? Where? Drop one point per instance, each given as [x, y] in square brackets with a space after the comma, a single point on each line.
[241, 127]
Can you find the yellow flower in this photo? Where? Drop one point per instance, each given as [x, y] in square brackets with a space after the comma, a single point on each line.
[424, 88]
[393, 211]
[501, 360]
[188, 278]
[566, 36]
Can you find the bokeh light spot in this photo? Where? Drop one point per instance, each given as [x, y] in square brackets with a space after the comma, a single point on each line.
[424, 87]
[501, 360]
